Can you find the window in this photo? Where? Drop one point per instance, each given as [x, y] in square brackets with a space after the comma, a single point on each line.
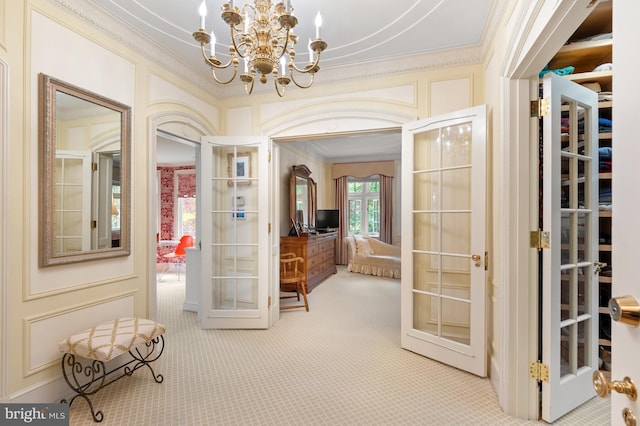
[186, 216]
[115, 207]
[184, 190]
[364, 206]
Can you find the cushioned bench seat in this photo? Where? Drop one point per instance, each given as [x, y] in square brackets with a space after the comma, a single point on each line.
[142, 338]
[110, 339]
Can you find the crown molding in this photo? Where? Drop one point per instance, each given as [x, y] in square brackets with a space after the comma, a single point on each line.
[200, 76]
[134, 40]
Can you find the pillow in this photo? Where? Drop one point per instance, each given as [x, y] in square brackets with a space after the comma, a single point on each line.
[362, 246]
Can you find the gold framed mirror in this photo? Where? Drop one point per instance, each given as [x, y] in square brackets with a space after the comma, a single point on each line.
[302, 197]
[84, 166]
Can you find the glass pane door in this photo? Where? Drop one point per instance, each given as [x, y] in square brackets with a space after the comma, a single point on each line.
[443, 276]
[569, 213]
[235, 242]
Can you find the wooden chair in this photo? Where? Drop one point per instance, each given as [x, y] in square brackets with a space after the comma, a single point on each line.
[291, 276]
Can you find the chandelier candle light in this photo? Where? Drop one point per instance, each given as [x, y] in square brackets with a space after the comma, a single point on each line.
[261, 34]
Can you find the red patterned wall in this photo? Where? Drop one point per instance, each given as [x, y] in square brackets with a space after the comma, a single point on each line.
[186, 187]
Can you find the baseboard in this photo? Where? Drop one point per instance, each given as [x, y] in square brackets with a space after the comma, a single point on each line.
[190, 306]
[45, 392]
[494, 378]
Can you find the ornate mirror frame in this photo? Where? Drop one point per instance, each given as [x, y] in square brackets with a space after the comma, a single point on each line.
[114, 242]
[298, 174]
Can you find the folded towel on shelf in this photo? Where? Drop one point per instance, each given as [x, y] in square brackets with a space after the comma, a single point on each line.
[605, 153]
[605, 196]
[559, 71]
[605, 96]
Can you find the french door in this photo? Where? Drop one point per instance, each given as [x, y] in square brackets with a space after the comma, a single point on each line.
[443, 238]
[235, 232]
[569, 302]
[72, 202]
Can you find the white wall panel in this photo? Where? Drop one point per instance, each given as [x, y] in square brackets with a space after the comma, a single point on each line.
[402, 95]
[239, 121]
[44, 333]
[66, 55]
[162, 90]
[450, 95]
[84, 66]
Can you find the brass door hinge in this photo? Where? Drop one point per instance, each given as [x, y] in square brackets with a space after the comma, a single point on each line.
[94, 166]
[269, 159]
[269, 302]
[539, 107]
[94, 224]
[269, 228]
[539, 239]
[539, 371]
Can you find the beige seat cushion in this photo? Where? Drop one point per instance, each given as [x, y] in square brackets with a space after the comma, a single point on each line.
[106, 341]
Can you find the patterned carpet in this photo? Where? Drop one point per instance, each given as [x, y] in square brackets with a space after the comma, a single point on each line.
[339, 364]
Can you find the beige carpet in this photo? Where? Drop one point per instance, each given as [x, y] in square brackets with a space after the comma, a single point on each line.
[339, 364]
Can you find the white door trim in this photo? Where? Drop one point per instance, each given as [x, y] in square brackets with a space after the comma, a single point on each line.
[543, 27]
[155, 122]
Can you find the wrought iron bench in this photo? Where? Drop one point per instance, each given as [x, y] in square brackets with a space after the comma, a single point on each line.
[86, 354]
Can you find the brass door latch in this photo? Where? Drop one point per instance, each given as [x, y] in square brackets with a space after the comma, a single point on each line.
[603, 387]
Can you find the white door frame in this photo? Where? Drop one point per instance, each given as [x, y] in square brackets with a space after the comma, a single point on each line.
[544, 26]
[154, 123]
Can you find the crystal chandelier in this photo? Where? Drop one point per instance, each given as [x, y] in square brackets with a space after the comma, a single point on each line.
[261, 34]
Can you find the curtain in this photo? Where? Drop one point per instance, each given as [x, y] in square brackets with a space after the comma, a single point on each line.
[342, 205]
[386, 209]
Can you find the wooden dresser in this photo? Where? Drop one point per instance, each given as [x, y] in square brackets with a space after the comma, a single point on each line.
[318, 252]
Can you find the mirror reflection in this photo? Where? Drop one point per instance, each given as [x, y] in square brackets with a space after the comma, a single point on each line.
[302, 196]
[85, 143]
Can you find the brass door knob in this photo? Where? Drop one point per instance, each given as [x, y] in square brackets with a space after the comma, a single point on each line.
[628, 417]
[476, 258]
[625, 309]
[603, 387]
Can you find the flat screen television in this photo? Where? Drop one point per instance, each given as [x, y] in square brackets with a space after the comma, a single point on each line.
[327, 219]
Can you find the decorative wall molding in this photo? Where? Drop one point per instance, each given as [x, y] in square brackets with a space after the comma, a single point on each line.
[200, 75]
[4, 210]
[134, 41]
[42, 331]
[3, 26]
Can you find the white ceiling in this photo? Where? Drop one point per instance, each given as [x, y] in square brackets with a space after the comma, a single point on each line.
[364, 38]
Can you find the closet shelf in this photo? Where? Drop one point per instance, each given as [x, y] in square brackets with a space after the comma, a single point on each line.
[583, 54]
[602, 77]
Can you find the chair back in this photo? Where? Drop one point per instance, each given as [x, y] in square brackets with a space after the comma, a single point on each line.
[185, 241]
[290, 268]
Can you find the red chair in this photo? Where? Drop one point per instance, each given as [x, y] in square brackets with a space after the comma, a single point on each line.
[177, 257]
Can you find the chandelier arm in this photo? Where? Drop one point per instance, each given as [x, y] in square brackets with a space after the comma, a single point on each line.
[233, 40]
[309, 68]
[275, 83]
[235, 72]
[286, 44]
[302, 86]
[212, 61]
[248, 92]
